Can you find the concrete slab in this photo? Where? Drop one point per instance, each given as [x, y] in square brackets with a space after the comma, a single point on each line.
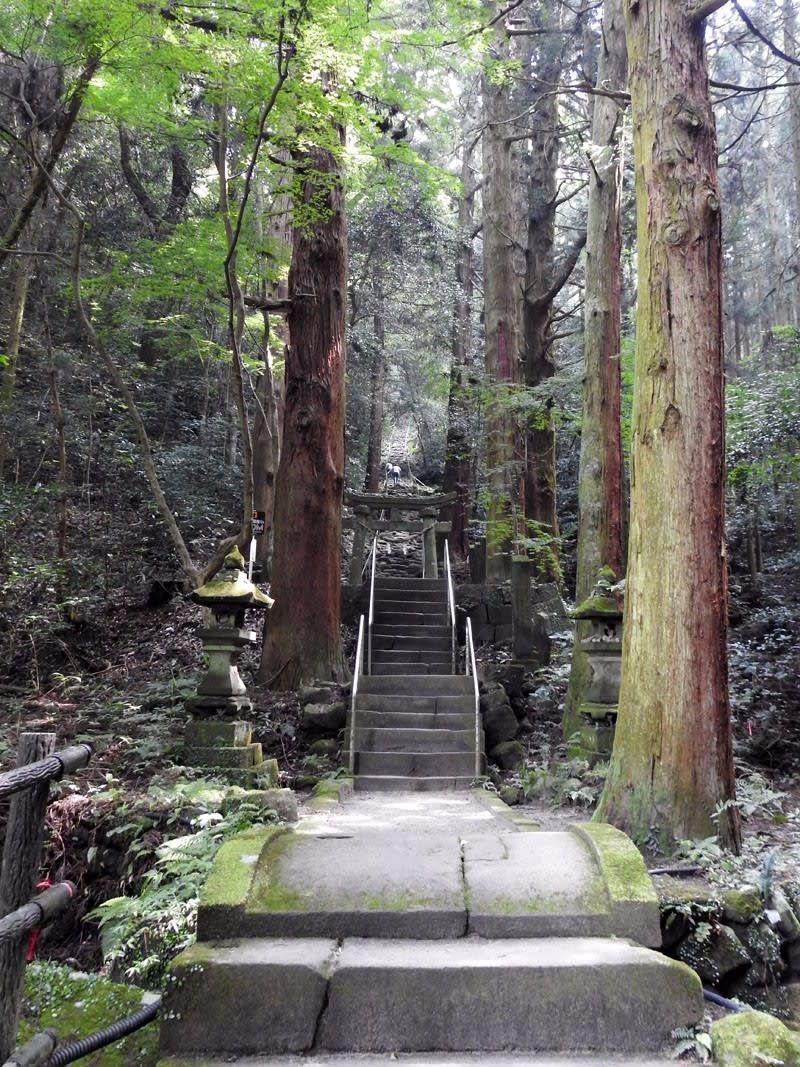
[473, 994]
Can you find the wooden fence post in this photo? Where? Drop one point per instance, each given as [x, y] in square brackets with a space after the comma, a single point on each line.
[22, 852]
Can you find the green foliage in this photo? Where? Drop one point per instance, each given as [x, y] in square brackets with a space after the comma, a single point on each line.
[764, 427]
[561, 781]
[141, 934]
[691, 1040]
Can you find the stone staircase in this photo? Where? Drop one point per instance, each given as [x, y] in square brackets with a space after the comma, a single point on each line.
[415, 719]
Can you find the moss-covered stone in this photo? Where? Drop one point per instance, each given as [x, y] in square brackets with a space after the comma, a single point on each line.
[234, 867]
[752, 1039]
[742, 905]
[595, 607]
[621, 862]
[331, 791]
[76, 1004]
[508, 755]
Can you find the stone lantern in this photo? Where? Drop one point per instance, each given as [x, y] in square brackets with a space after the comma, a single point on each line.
[216, 736]
[602, 611]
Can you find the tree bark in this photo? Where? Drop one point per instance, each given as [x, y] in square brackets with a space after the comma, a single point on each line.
[600, 468]
[458, 466]
[501, 321]
[672, 764]
[19, 298]
[302, 638]
[372, 481]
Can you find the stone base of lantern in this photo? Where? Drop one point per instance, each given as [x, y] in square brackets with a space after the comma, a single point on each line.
[228, 749]
[594, 738]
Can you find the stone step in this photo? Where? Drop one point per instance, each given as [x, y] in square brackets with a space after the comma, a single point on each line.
[379, 668]
[414, 642]
[401, 784]
[410, 720]
[434, 685]
[406, 618]
[415, 764]
[422, 632]
[377, 739]
[431, 705]
[413, 596]
[412, 603]
[264, 996]
[414, 655]
[421, 584]
[429, 1059]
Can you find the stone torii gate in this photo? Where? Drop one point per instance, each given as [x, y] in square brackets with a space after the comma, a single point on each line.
[367, 509]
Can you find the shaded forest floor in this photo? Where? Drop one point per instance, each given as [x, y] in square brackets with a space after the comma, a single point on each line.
[114, 669]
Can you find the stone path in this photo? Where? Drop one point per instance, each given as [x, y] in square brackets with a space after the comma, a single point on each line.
[426, 923]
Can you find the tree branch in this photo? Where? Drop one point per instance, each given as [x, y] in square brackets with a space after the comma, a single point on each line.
[763, 38]
[561, 279]
[44, 169]
[703, 9]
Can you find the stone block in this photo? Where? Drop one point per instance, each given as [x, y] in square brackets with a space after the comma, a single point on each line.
[281, 801]
[508, 755]
[324, 746]
[245, 997]
[325, 718]
[245, 757]
[476, 994]
[718, 957]
[499, 721]
[216, 733]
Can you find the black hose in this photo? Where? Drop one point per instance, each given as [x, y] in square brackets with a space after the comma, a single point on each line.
[77, 1049]
[723, 1002]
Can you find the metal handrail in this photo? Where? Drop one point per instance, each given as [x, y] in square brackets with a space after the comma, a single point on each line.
[371, 603]
[358, 670]
[451, 606]
[472, 669]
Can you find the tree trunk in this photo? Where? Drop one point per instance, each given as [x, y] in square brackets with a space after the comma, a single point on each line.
[372, 482]
[544, 70]
[266, 452]
[14, 339]
[600, 468]
[458, 464]
[302, 638]
[502, 340]
[672, 762]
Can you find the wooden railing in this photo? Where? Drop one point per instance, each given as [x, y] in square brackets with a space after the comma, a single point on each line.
[28, 785]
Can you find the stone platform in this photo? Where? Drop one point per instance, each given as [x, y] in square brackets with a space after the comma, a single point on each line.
[426, 923]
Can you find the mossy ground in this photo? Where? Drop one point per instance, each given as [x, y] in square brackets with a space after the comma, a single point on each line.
[76, 1004]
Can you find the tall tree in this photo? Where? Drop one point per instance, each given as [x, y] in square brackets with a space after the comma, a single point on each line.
[501, 314]
[672, 763]
[302, 640]
[600, 469]
[459, 449]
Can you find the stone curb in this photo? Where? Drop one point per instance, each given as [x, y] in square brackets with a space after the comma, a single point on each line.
[499, 808]
[330, 792]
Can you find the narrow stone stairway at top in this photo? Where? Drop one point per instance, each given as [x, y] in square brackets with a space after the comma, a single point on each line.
[414, 717]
